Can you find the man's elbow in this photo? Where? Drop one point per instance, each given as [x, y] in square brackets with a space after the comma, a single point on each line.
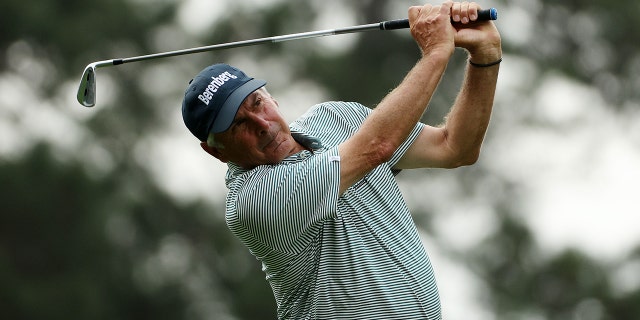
[382, 152]
[463, 159]
[470, 159]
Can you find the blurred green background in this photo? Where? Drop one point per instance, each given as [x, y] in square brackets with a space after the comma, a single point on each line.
[114, 212]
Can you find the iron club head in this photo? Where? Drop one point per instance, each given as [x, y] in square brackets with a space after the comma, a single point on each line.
[87, 88]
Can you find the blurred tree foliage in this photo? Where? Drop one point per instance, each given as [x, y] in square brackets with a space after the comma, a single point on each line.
[115, 246]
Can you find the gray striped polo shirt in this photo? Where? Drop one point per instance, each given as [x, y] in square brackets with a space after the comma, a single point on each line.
[354, 256]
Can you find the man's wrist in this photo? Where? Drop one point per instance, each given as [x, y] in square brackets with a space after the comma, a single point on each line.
[485, 56]
[485, 65]
[438, 54]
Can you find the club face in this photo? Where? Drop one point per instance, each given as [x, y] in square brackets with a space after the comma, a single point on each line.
[87, 88]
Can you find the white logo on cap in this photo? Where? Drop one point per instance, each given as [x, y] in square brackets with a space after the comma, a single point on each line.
[215, 84]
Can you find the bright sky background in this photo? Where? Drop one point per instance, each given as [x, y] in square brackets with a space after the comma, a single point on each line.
[580, 164]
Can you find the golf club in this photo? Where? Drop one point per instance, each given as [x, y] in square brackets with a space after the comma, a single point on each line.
[87, 89]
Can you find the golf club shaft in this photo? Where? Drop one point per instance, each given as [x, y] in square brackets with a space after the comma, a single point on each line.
[246, 43]
[87, 90]
[487, 14]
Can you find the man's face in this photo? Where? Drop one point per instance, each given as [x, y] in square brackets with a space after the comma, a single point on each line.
[258, 135]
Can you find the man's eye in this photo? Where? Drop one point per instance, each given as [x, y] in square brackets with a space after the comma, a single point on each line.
[236, 124]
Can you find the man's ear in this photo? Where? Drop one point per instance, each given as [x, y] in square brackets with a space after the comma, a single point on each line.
[213, 151]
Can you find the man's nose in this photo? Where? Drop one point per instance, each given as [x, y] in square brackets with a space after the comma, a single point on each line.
[260, 124]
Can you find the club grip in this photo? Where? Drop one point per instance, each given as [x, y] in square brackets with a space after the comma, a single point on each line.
[484, 14]
[488, 14]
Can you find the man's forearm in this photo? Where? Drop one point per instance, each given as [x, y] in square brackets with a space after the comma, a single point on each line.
[402, 108]
[469, 117]
[391, 122]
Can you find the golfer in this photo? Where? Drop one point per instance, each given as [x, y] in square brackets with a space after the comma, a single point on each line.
[316, 200]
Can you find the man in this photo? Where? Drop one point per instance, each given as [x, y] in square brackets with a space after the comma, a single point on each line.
[316, 201]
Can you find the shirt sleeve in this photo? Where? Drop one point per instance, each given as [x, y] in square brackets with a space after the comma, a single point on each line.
[282, 207]
[348, 117]
[402, 149]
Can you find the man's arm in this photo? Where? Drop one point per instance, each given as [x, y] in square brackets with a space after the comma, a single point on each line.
[391, 121]
[458, 141]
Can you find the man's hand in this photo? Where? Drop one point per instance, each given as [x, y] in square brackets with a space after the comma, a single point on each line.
[432, 30]
[480, 38]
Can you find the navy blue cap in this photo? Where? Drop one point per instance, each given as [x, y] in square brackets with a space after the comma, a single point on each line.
[213, 97]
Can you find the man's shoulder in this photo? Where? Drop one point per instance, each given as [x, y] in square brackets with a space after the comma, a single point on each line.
[332, 110]
[338, 107]
[237, 176]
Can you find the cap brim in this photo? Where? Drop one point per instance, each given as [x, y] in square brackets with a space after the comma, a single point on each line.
[230, 107]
